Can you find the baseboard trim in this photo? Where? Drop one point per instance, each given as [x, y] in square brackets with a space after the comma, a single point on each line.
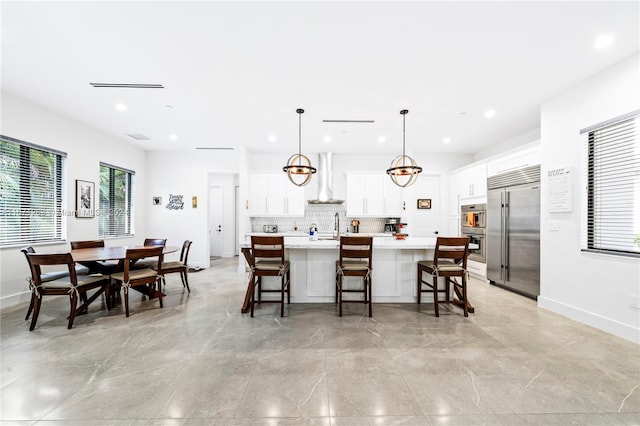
[589, 318]
[15, 299]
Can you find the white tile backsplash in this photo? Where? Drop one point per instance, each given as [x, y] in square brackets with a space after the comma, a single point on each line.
[323, 215]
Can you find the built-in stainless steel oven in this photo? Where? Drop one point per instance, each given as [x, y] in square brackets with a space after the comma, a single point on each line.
[474, 222]
[474, 216]
[476, 236]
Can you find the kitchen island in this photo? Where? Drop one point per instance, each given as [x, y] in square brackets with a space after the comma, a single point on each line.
[393, 276]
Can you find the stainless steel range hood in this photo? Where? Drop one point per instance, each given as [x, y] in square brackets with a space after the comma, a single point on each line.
[325, 181]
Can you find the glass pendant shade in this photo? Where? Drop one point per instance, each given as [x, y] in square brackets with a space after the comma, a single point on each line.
[404, 169]
[298, 168]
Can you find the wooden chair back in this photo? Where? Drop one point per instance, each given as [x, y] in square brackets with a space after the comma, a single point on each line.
[37, 261]
[135, 254]
[451, 250]
[269, 249]
[356, 248]
[184, 253]
[86, 244]
[155, 242]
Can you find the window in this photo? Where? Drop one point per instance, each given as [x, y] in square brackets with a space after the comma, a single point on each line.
[611, 205]
[30, 193]
[115, 201]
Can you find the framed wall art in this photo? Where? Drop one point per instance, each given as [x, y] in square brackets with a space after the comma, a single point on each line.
[85, 199]
[424, 203]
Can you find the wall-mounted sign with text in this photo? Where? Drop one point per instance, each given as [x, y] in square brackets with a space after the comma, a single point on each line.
[559, 190]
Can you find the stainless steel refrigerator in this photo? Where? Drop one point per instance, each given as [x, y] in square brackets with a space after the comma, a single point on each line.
[513, 231]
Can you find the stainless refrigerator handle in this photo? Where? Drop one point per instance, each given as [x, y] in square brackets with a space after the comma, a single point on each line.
[507, 213]
[503, 236]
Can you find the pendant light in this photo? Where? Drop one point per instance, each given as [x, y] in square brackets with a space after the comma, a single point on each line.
[298, 168]
[404, 169]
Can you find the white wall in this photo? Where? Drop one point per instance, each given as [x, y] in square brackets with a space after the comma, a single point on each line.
[85, 148]
[592, 288]
[184, 173]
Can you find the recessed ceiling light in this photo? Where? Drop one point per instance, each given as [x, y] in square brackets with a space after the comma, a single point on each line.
[327, 139]
[490, 113]
[382, 139]
[446, 140]
[603, 41]
[272, 138]
[173, 137]
[121, 107]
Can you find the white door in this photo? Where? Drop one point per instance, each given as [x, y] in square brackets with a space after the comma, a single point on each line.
[216, 218]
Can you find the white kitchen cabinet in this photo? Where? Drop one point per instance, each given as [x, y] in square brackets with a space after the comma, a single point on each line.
[473, 182]
[274, 195]
[372, 195]
[365, 195]
[466, 184]
[393, 198]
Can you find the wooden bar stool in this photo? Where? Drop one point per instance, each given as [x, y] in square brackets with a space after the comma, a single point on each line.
[450, 262]
[355, 261]
[269, 261]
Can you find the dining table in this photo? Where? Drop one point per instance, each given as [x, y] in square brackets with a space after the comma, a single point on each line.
[117, 253]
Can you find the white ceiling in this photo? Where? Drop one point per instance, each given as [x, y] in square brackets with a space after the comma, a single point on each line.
[235, 72]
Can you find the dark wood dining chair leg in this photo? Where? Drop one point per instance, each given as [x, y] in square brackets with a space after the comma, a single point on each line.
[126, 301]
[259, 289]
[282, 290]
[73, 299]
[340, 296]
[370, 301]
[160, 291]
[252, 288]
[289, 287]
[435, 294]
[36, 311]
[30, 309]
[185, 280]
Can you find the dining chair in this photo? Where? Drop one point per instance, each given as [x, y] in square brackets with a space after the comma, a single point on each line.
[449, 262]
[71, 285]
[48, 276]
[104, 267]
[180, 266]
[144, 280]
[149, 263]
[356, 255]
[269, 261]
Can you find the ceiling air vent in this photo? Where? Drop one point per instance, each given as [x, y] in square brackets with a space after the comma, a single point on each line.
[139, 136]
[214, 148]
[348, 121]
[128, 85]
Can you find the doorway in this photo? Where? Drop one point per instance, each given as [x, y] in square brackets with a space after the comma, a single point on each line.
[216, 221]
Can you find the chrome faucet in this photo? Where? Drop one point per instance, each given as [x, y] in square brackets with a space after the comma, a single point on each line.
[336, 226]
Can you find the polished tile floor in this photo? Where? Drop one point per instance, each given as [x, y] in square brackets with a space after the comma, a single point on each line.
[199, 361]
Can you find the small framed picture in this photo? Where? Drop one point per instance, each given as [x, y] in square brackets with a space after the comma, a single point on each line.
[424, 203]
[85, 199]
[194, 202]
[157, 201]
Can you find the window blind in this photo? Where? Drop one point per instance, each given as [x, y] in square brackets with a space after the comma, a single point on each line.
[611, 207]
[116, 188]
[31, 182]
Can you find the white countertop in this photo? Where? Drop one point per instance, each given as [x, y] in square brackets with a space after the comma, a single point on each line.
[385, 241]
